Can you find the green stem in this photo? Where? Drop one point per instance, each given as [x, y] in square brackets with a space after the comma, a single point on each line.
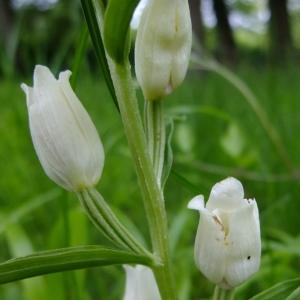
[106, 221]
[152, 194]
[156, 135]
[222, 294]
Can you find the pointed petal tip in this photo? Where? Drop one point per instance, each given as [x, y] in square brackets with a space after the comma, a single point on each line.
[42, 75]
[197, 203]
[24, 87]
[28, 92]
[64, 75]
[40, 68]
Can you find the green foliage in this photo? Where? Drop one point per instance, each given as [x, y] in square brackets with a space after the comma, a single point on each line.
[204, 111]
[215, 134]
[117, 28]
[282, 291]
[65, 259]
[93, 12]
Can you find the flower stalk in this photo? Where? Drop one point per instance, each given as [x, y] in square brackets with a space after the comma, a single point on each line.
[152, 194]
[156, 135]
[222, 294]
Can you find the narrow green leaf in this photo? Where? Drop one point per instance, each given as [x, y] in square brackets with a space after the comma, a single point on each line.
[89, 11]
[190, 186]
[79, 54]
[295, 295]
[66, 259]
[168, 152]
[280, 291]
[19, 242]
[116, 28]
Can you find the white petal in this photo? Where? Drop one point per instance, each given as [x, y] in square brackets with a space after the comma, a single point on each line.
[197, 203]
[182, 43]
[244, 242]
[87, 128]
[152, 65]
[140, 284]
[64, 137]
[29, 93]
[227, 195]
[163, 46]
[210, 252]
[43, 78]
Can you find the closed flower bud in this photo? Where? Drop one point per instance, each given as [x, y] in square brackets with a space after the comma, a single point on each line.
[163, 46]
[140, 284]
[228, 244]
[64, 136]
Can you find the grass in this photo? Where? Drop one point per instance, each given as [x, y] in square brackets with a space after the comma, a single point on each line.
[216, 135]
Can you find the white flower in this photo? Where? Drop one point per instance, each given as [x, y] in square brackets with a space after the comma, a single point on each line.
[140, 284]
[64, 136]
[228, 244]
[163, 46]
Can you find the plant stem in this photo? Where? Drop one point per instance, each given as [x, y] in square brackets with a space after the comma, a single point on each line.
[152, 194]
[156, 135]
[222, 294]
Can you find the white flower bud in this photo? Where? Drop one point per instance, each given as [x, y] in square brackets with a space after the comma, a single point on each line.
[228, 244]
[140, 284]
[163, 46]
[64, 136]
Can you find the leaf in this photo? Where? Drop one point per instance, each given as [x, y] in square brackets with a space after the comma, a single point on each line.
[69, 230]
[19, 242]
[295, 295]
[280, 291]
[168, 152]
[189, 185]
[93, 24]
[79, 54]
[66, 259]
[116, 28]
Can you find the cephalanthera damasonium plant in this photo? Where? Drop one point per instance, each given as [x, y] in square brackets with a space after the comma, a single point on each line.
[228, 243]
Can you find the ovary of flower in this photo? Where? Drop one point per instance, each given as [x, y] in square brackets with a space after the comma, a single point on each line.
[64, 136]
[228, 243]
[140, 284]
[163, 46]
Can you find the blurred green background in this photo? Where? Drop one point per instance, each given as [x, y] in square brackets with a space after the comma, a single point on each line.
[216, 134]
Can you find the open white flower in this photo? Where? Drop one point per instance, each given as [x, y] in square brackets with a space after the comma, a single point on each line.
[140, 284]
[163, 46]
[64, 136]
[228, 243]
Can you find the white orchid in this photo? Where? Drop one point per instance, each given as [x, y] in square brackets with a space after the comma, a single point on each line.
[140, 284]
[163, 46]
[64, 136]
[228, 243]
